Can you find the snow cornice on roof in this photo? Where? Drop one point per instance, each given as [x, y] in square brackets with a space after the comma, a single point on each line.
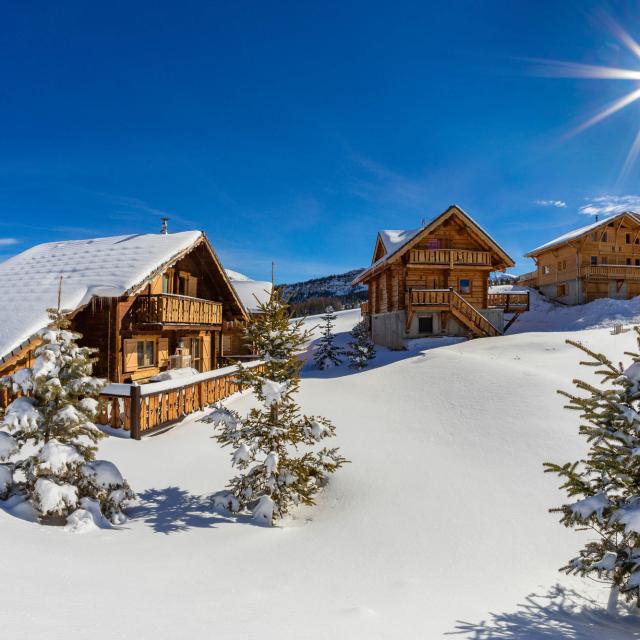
[581, 231]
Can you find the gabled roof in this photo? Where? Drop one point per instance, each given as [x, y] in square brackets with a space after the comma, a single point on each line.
[397, 242]
[100, 267]
[577, 233]
[252, 293]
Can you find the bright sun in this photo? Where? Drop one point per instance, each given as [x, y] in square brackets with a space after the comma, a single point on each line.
[562, 69]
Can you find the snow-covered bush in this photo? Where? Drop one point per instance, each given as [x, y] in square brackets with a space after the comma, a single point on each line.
[327, 353]
[51, 434]
[361, 348]
[604, 487]
[274, 474]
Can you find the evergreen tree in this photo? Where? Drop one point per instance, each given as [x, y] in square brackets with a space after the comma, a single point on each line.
[604, 487]
[274, 474]
[54, 422]
[361, 348]
[327, 354]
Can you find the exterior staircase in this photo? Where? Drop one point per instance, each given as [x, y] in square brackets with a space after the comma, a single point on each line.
[463, 311]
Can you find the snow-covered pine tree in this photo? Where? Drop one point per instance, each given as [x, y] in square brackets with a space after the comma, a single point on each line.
[361, 348]
[54, 422]
[275, 475]
[604, 487]
[327, 353]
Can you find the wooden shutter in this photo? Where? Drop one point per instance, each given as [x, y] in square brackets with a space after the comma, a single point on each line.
[130, 354]
[206, 353]
[192, 287]
[163, 352]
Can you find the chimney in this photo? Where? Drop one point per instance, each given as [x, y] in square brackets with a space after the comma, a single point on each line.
[165, 226]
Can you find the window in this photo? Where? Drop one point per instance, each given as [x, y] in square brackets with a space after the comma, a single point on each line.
[559, 266]
[594, 236]
[561, 290]
[637, 262]
[628, 260]
[546, 269]
[434, 243]
[465, 285]
[603, 237]
[627, 238]
[594, 259]
[425, 324]
[603, 260]
[165, 283]
[182, 286]
[146, 350]
[564, 265]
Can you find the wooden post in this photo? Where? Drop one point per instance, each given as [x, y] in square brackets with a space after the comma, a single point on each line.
[136, 401]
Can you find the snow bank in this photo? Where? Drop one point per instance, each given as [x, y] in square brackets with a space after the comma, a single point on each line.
[175, 374]
[545, 315]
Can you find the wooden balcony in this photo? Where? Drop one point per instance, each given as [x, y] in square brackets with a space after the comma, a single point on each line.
[169, 309]
[611, 272]
[511, 302]
[450, 257]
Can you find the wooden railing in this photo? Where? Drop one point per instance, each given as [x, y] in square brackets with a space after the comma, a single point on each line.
[142, 408]
[430, 297]
[605, 271]
[164, 308]
[451, 257]
[462, 309]
[509, 302]
[528, 279]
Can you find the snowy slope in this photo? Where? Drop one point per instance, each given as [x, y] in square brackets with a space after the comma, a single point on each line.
[441, 517]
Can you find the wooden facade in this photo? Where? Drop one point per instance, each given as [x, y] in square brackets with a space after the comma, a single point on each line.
[435, 282]
[176, 317]
[601, 260]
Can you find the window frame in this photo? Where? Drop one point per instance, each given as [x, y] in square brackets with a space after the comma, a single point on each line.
[462, 288]
[143, 351]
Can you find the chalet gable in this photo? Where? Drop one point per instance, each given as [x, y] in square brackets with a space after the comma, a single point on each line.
[392, 245]
[626, 219]
[111, 267]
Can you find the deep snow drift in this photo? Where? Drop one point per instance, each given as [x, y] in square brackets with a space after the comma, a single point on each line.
[439, 525]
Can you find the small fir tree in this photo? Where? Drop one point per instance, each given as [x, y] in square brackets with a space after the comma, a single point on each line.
[361, 348]
[54, 422]
[604, 487]
[327, 353]
[275, 475]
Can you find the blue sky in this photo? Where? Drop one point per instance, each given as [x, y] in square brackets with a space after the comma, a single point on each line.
[293, 131]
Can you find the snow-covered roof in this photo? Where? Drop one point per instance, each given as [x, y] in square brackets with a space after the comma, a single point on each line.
[576, 233]
[394, 239]
[252, 293]
[106, 267]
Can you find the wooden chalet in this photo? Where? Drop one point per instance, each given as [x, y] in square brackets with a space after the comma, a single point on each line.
[435, 281]
[146, 302]
[600, 260]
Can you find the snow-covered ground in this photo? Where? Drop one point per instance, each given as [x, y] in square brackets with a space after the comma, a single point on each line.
[438, 526]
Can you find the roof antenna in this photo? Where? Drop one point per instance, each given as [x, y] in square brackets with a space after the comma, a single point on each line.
[596, 217]
[165, 226]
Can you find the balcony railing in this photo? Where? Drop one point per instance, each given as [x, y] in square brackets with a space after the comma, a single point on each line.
[165, 308]
[450, 257]
[618, 271]
[509, 302]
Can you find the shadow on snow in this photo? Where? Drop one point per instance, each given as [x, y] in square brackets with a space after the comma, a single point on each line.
[562, 613]
[171, 510]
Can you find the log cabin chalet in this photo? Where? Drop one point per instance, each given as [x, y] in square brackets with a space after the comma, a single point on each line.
[435, 281]
[146, 302]
[600, 260]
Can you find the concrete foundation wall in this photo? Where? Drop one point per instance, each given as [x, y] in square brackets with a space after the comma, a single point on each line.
[574, 294]
[388, 329]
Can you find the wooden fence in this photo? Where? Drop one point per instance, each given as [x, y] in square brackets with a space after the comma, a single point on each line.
[140, 409]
